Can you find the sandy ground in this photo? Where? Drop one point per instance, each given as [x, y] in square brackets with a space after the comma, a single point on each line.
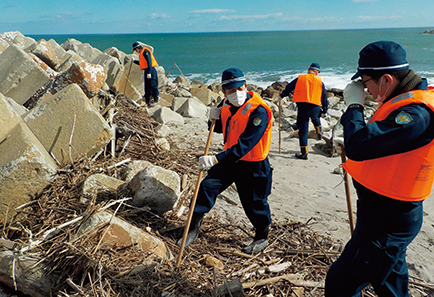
[306, 190]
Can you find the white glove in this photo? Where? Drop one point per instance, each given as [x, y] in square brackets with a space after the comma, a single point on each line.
[148, 75]
[214, 113]
[354, 93]
[206, 162]
[338, 143]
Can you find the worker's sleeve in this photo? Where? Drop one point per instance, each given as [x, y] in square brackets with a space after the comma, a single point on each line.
[324, 100]
[136, 62]
[256, 126]
[148, 58]
[218, 127]
[289, 88]
[405, 129]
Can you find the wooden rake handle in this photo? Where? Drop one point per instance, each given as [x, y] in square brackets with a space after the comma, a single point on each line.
[193, 201]
[347, 192]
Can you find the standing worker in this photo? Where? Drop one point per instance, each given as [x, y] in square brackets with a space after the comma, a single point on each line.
[391, 160]
[148, 63]
[311, 98]
[245, 121]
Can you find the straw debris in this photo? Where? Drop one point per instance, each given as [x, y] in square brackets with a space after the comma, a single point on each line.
[296, 260]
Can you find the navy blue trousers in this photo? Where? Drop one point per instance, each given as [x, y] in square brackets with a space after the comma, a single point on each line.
[151, 85]
[253, 189]
[377, 249]
[305, 112]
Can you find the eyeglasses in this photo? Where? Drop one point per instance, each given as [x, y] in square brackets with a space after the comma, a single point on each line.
[365, 81]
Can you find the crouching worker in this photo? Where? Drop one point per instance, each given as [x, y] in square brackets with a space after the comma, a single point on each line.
[245, 121]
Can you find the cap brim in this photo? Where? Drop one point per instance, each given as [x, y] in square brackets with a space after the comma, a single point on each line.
[358, 74]
[235, 84]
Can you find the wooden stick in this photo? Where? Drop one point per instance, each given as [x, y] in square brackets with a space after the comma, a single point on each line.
[128, 76]
[280, 126]
[193, 201]
[70, 141]
[347, 192]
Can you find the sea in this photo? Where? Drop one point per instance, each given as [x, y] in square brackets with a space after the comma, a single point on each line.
[267, 57]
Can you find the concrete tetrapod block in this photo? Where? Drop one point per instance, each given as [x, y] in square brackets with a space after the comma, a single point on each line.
[25, 167]
[52, 122]
[20, 76]
[88, 76]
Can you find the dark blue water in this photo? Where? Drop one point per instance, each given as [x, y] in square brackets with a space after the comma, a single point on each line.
[266, 57]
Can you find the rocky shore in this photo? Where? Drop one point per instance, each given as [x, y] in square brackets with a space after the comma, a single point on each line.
[96, 187]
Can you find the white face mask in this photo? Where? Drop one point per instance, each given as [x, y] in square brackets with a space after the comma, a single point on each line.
[237, 98]
[381, 98]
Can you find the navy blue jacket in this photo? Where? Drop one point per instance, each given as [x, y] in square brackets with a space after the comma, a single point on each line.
[291, 86]
[387, 137]
[247, 140]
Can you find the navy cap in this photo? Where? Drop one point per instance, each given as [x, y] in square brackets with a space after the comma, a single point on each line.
[232, 78]
[135, 45]
[380, 56]
[315, 66]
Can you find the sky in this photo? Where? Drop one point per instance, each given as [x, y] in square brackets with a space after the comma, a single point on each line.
[182, 16]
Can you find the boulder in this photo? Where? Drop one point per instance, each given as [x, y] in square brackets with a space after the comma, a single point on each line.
[205, 95]
[182, 80]
[193, 108]
[114, 52]
[162, 130]
[51, 73]
[67, 59]
[100, 183]
[112, 67]
[25, 167]
[44, 51]
[132, 168]
[162, 79]
[57, 49]
[165, 115]
[89, 77]
[15, 37]
[26, 274]
[122, 234]
[163, 143]
[3, 45]
[20, 75]
[177, 102]
[52, 122]
[157, 188]
[84, 50]
[181, 92]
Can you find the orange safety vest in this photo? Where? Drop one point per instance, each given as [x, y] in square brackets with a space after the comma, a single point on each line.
[238, 122]
[407, 176]
[308, 89]
[142, 61]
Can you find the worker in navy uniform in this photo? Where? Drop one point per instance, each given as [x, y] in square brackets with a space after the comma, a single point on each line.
[148, 63]
[391, 160]
[311, 98]
[245, 121]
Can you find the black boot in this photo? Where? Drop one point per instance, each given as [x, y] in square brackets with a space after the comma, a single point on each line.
[260, 241]
[318, 132]
[303, 154]
[193, 232]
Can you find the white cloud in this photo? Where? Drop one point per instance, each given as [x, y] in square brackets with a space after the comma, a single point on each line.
[376, 18]
[159, 16]
[212, 11]
[252, 17]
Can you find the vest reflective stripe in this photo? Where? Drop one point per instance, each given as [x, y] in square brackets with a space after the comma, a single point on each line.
[408, 176]
[234, 126]
[142, 61]
[308, 89]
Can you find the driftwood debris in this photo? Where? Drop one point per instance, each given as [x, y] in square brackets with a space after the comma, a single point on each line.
[46, 229]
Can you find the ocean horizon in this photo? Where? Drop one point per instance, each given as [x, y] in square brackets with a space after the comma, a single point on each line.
[268, 56]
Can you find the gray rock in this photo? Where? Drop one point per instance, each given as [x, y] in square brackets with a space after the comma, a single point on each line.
[157, 188]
